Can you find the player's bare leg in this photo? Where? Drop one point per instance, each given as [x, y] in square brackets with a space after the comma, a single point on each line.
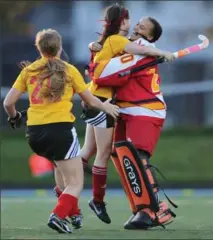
[72, 172]
[76, 220]
[89, 148]
[60, 186]
[103, 138]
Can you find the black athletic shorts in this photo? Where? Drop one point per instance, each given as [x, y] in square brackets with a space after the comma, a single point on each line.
[54, 141]
[97, 118]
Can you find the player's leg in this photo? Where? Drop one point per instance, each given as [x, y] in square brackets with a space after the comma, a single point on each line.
[103, 129]
[58, 190]
[145, 141]
[150, 212]
[67, 147]
[72, 171]
[59, 143]
[120, 135]
[89, 148]
[87, 151]
[60, 186]
[103, 138]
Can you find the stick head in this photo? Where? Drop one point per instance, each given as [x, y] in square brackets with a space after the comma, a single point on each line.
[205, 41]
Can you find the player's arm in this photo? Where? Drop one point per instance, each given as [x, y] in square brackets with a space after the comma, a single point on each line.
[10, 101]
[120, 44]
[18, 88]
[94, 102]
[80, 87]
[134, 48]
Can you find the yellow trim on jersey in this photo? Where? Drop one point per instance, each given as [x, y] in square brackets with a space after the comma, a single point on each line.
[154, 106]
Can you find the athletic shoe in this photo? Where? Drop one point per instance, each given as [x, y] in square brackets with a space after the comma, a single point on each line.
[99, 208]
[130, 219]
[146, 218]
[77, 221]
[58, 225]
[140, 221]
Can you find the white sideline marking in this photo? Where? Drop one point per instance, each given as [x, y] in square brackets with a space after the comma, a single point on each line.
[24, 200]
[18, 228]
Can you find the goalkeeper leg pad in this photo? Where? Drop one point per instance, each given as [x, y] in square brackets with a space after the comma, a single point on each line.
[125, 185]
[137, 177]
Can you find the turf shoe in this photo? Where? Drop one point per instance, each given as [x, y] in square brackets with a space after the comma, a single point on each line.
[77, 221]
[146, 218]
[99, 208]
[58, 225]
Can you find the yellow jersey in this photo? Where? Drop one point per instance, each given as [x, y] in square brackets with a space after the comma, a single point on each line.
[40, 111]
[113, 46]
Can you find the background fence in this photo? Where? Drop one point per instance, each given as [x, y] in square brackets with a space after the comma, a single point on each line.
[185, 150]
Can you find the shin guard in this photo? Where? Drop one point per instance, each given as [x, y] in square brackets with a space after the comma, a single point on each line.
[136, 176]
[124, 183]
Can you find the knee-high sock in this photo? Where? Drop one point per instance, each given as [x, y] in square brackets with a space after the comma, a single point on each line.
[99, 183]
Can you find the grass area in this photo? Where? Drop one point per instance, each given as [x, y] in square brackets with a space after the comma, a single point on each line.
[183, 156]
[25, 218]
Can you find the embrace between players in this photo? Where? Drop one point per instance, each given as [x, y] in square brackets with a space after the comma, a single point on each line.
[126, 130]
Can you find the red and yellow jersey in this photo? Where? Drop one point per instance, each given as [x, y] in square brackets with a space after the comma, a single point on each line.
[41, 111]
[142, 89]
[138, 93]
[113, 46]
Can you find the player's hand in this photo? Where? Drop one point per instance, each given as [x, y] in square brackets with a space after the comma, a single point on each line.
[95, 46]
[15, 122]
[168, 56]
[111, 109]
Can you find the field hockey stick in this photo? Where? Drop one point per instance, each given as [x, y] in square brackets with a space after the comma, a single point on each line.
[181, 53]
[142, 67]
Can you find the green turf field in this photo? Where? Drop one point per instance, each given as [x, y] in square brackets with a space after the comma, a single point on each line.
[25, 218]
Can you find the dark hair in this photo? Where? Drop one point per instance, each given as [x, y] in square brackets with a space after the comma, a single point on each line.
[114, 15]
[49, 43]
[157, 30]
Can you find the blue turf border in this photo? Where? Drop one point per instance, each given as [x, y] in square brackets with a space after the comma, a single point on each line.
[110, 192]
